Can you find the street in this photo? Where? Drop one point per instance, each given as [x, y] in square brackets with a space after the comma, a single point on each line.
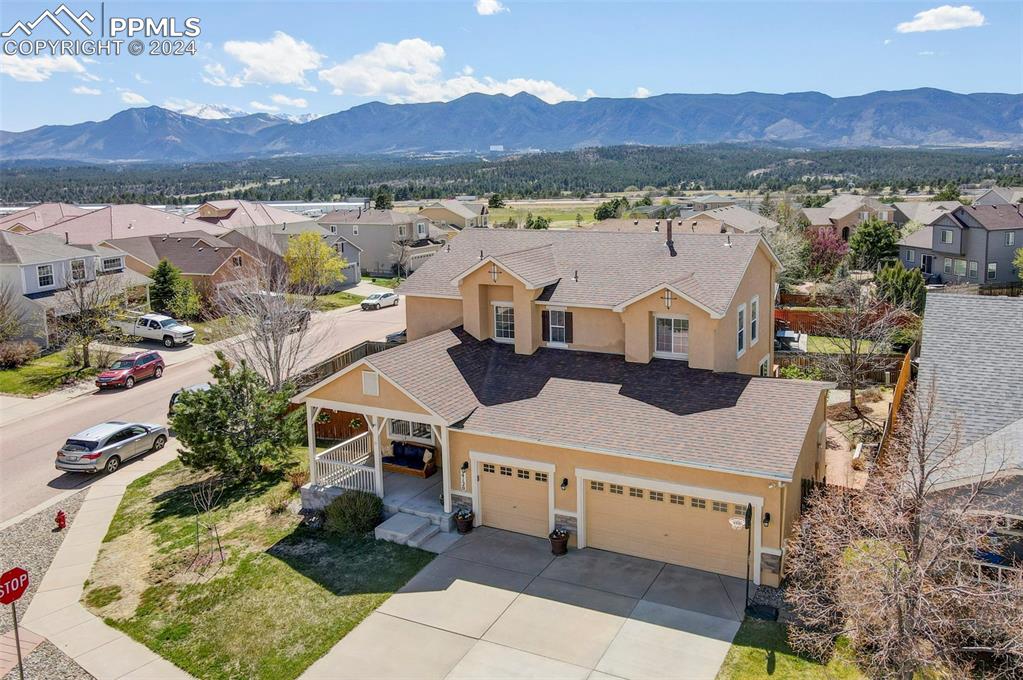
[28, 446]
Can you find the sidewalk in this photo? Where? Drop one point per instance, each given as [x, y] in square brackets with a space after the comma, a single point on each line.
[55, 612]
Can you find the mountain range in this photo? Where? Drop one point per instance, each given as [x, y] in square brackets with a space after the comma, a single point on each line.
[476, 122]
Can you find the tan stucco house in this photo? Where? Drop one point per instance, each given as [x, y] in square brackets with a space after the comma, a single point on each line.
[845, 212]
[457, 214]
[606, 383]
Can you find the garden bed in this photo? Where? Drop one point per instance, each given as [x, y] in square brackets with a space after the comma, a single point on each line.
[280, 598]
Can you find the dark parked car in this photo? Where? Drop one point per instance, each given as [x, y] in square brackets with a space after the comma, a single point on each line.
[400, 336]
[174, 397]
[131, 368]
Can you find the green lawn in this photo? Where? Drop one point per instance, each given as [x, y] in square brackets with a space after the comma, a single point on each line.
[42, 374]
[562, 217]
[760, 650]
[282, 598]
[382, 281]
[823, 344]
[325, 303]
[212, 330]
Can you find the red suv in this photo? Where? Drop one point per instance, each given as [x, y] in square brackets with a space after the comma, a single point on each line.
[131, 368]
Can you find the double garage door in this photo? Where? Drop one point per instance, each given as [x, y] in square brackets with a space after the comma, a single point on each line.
[675, 528]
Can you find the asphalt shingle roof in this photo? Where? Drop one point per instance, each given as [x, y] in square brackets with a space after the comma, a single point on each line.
[599, 401]
[971, 360]
[194, 252]
[372, 216]
[612, 267]
[241, 213]
[35, 248]
[41, 216]
[125, 221]
[993, 217]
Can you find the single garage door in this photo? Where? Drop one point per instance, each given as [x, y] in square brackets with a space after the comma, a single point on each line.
[514, 498]
[686, 530]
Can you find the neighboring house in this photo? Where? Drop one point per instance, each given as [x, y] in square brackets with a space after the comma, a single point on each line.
[1000, 196]
[922, 212]
[845, 212]
[235, 213]
[709, 202]
[38, 268]
[386, 238]
[606, 383]
[457, 214]
[971, 244]
[125, 221]
[210, 263]
[730, 219]
[974, 388]
[39, 217]
[269, 244]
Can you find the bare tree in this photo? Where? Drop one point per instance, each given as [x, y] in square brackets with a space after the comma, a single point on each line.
[861, 329]
[12, 314]
[85, 307]
[274, 334]
[893, 567]
[205, 497]
[403, 251]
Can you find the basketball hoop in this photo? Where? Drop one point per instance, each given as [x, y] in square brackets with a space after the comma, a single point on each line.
[737, 523]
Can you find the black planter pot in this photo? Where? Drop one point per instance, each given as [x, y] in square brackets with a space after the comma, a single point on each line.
[559, 544]
[464, 524]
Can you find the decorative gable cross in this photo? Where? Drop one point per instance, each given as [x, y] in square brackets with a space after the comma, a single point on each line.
[494, 271]
[667, 298]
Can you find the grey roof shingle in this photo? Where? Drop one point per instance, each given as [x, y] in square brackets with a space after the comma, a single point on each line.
[971, 360]
[36, 248]
[371, 217]
[992, 217]
[41, 216]
[921, 238]
[612, 267]
[599, 401]
[193, 252]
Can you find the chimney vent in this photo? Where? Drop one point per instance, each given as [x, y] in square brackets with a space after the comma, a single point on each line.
[669, 242]
[575, 276]
[481, 255]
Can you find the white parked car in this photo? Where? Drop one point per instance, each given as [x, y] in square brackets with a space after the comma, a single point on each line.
[170, 332]
[378, 300]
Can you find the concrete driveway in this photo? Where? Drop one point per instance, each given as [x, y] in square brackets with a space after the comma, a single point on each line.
[499, 605]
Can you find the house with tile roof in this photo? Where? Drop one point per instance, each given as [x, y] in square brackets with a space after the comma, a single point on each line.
[209, 262]
[457, 214]
[388, 239]
[972, 244]
[844, 212]
[125, 221]
[39, 269]
[975, 391]
[615, 385]
[39, 217]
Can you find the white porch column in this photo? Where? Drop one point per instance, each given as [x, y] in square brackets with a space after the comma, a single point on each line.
[445, 467]
[376, 426]
[310, 425]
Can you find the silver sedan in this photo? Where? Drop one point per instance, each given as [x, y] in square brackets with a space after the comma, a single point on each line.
[107, 445]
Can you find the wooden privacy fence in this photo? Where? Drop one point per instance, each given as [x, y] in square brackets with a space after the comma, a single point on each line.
[885, 372]
[899, 392]
[815, 320]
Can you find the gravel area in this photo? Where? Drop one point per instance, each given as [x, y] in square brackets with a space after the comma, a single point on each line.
[49, 662]
[32, 544]
[774, 597]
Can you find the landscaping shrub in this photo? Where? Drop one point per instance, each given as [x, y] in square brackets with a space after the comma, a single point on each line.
[797, 373]
[277, 501]
[354, 513]
[15, 353]
[298, 479]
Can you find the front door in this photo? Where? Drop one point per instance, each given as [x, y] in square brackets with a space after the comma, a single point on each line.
[926, 262]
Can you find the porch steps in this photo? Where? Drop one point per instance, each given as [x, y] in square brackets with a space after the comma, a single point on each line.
[400, 527]
[427, 508]
[441, 542]
[417, 539]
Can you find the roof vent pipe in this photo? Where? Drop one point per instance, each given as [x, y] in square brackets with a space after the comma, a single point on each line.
[575, 276]
[668, 242]
[67, 238]
[481, 255]
[728, 240]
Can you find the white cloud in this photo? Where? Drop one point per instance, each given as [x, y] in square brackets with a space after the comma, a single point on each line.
[888, 41]
[297, 102]
[82, 89]
[259, 106]
[641, 92]
[410, 71]
[90, 60]
[216, 74]
[133, 98]
[944, 18]
[281, 60]
[490, 7]
[37, 69]
[88, 77]
[926, 53]
[139, 78]
[590, 93]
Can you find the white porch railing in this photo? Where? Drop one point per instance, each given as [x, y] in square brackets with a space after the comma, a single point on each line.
[348, 465]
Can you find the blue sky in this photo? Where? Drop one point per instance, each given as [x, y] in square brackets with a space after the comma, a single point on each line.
[322, 57]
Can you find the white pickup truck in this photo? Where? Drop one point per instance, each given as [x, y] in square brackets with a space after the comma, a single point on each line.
[169, 331]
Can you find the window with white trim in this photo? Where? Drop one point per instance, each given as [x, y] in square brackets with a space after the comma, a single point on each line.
[355, 230]
[864, 215]
[556, 322]
[421, 229]
[405, 429]
[504, 323]
[370, 384]
[671, 337]
[764, 369]
[973, 269]
[948, 265]
[44, 275]
[77, 270]
[401, 231]
[947, 236]
[1010, 238]
[740, 331]
[754, 320]
[910, 255]
[992, 271]
[109, 264]
[960, 267]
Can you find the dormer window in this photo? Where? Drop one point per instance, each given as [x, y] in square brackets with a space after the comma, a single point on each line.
[504, 323]
[671, 337]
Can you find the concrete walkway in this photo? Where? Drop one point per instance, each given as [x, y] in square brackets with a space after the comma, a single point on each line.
[498, 605]
[55, 612]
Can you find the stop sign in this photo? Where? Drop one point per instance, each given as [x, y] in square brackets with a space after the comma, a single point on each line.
[12, 585]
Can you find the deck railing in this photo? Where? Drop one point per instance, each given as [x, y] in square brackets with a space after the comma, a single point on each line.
[348, 465]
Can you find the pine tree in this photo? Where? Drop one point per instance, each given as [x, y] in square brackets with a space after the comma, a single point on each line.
[166, 279]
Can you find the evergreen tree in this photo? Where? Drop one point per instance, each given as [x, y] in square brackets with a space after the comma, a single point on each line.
[902, 287]
[166, 278]
[185, 303]
[873, 244]
[495, 201]
[384, 200]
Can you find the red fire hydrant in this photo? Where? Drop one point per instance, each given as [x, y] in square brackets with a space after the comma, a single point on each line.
[61, 520]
